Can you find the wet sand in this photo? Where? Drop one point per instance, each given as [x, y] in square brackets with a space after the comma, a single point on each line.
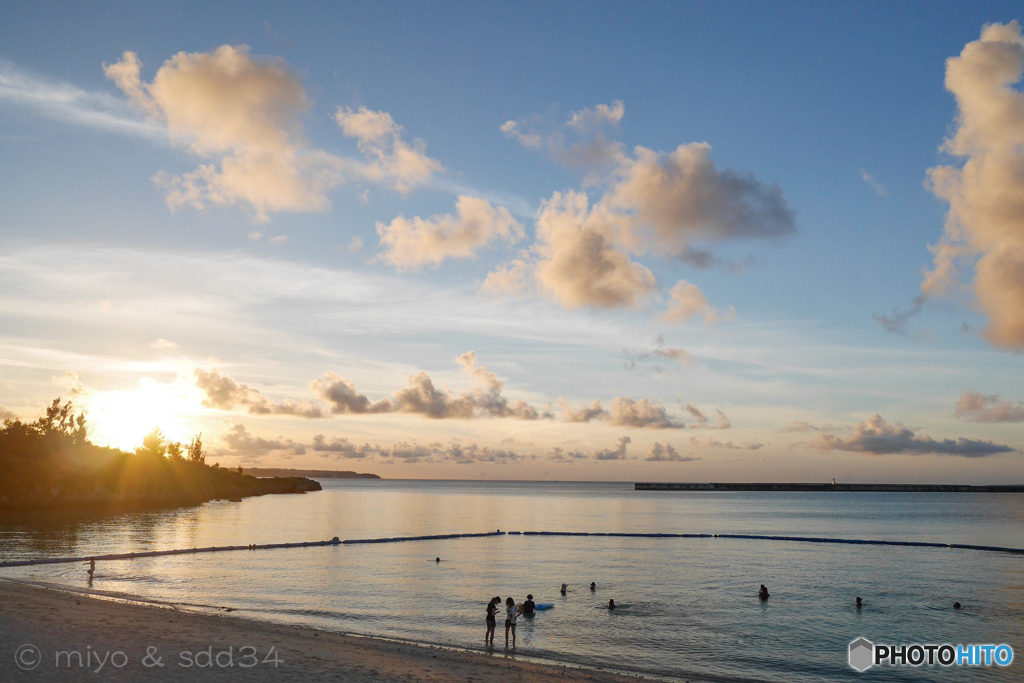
[197, 647]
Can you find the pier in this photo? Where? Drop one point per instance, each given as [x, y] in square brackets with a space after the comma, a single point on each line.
[828, 486]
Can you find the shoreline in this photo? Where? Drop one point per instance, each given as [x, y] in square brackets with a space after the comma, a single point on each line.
[55, 619]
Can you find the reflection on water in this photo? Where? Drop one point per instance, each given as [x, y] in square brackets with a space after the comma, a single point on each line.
[688, 606]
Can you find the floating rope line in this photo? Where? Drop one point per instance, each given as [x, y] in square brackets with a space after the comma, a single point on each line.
[444, 537]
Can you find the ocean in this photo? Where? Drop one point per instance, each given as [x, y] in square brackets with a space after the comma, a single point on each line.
[688, 608]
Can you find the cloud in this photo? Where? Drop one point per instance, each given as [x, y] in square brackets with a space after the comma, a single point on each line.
[687, 300]
[709, 442]
[559, 454]
[411, 244]
[456, 452]
[578, 264]
[479, 372]
[421, 397]
[580, 143]
[981, 408]
[594, 411]
[278, 240]
[256, 235]
[703, 421]
[617, 453]
[344, 399]
[242, 113]
[7, 414]
[667, 203]
[681, 356]
[678, 198]
[395, 163]
[983, 225]
[877, 437]
[625, 412]
[69, 104]
[800, 426]
[667, 453]
[873, 183]
[162, 344]
[342, 448]
[240, 442]
[71, 385]
[355, 246]
[221, 392]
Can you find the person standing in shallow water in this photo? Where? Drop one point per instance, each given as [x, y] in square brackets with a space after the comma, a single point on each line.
[492, 622]
[511, 613]
[763, 593]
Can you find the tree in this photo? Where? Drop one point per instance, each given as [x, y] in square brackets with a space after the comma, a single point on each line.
[61, 421]
[195, 450]
[174, 451]
[153, 444]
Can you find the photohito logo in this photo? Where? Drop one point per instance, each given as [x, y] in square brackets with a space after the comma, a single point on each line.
[864, 654]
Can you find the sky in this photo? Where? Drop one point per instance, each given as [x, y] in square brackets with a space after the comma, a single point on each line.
[561, 241]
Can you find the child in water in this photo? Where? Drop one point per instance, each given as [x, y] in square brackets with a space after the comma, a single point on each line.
[511, 613]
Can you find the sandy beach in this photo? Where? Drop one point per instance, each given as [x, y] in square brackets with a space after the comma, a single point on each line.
[53, 635]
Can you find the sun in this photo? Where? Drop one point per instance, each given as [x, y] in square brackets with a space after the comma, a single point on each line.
[122, 418]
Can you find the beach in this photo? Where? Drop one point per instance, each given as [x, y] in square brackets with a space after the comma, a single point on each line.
[56, 621]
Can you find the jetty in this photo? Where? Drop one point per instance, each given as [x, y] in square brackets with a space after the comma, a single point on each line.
[832, 486]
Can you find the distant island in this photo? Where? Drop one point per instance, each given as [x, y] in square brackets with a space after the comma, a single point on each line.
[313, 474]
[50, 464]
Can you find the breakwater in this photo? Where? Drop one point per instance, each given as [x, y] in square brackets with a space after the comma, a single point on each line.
[828, 486]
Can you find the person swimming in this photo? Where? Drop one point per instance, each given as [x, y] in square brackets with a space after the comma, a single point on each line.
[564, 586]
[956, 605]
[529, 606]
[611, 604]
[859, 602]
[763, 593]
[593, 586]
[437, 560]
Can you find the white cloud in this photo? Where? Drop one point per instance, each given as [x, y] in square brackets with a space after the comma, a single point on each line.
[355, 245]
[162, 344]
[255, 235]
[244, 114]
[703, 421]
[240, 442]
[873, 183]
[687, 300]
[981, 408]
[575, 259]
[69, 104]
[983, 226]
[7, 414]
[878, 437]
[616, 453]
[278, 240]
[224, 393]
[394, 162]
[411, 244]
[625, 412]
[667, 453]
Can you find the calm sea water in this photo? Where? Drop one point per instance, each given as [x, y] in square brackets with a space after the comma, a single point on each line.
[688, 606]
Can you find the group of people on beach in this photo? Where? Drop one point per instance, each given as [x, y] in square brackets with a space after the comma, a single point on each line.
[513, 611]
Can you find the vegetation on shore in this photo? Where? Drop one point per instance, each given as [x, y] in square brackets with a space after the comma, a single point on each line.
[51, 463]
[316, 474]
